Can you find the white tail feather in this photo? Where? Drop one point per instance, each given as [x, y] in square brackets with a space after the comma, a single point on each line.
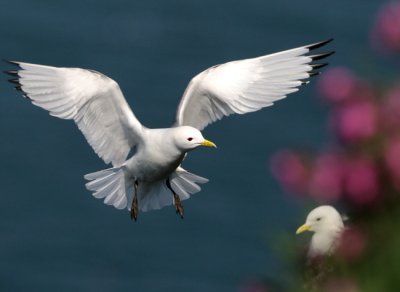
[113, 186]
[156, 195]
[185, 183]
[109, 184]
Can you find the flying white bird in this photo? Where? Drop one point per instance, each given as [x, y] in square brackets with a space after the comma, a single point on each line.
[327, 225]
[153, 177]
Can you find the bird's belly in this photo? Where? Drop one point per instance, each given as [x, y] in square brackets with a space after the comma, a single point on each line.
[149, 170]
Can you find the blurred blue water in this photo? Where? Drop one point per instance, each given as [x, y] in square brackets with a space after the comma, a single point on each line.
[55, 237]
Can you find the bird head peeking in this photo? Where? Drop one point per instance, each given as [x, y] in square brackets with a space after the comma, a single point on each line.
[322, 219]
[327, 225]
[188, 138]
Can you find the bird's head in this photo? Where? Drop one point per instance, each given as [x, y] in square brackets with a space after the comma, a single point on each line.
[188, 138]
[322, 219]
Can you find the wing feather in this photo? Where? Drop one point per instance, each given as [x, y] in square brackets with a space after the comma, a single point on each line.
[246, 85]
[93, 100]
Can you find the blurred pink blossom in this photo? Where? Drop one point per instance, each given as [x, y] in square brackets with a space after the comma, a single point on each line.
[342, 285]
[361, 184]
[355, 121]
[288, 168]
[364, 91]
[326, 180]
[337, 85]
[391, 109]
[352, 244]
[385, 34]
[392, 160]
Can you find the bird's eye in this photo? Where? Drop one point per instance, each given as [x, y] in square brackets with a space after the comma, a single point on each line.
[190, 139]
[319, 219]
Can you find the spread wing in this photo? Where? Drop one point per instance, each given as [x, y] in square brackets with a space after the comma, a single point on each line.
[94, 101]
[246, 85]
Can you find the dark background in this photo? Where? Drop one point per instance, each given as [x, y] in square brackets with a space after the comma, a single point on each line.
[54, 236]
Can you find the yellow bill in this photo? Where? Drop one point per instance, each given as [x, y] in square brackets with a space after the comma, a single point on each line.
[208, 143]
[303, 228]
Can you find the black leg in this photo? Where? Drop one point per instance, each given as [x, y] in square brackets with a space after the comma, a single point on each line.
[135, 204]
[178, 204]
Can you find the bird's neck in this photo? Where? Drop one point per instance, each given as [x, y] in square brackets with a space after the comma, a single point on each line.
[324, 242]
[161, 141]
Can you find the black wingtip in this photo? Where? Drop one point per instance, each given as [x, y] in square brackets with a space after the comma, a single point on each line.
[12, 73]
[14, 81]
[11, 62]
[318, 66]
[313, 73]
[321, 56]
[319, 44]
[18, 87]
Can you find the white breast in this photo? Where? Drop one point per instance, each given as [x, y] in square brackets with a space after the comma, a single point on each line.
[324, 243]
[157, 160]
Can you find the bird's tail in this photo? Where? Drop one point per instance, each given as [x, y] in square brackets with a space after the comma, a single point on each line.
[185, 183]
[110, 185]
[156, 195]
[116, 188]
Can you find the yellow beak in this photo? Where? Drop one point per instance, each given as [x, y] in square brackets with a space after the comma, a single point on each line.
[303, 228]
[207, 143]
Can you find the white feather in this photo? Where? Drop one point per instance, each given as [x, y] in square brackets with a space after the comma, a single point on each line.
[110, 184]
[242, 86]
[94, 101]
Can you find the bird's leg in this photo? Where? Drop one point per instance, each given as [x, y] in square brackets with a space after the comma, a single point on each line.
[178, 204]
[135, 204]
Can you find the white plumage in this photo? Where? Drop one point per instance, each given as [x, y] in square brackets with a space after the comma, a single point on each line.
[152, 177]
[94, 101]
[327, 225]
[242, 86]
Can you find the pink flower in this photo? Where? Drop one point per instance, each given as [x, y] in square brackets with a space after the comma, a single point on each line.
[385, 33]
[288, 168]
[392, 160]
[326, 181]
[352, 244]
[337, 85]
[355, 121]
[364, 91]
[361, 182]
[391, 109]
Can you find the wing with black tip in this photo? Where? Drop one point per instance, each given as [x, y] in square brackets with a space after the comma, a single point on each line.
[246, 85]
[93, 100]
